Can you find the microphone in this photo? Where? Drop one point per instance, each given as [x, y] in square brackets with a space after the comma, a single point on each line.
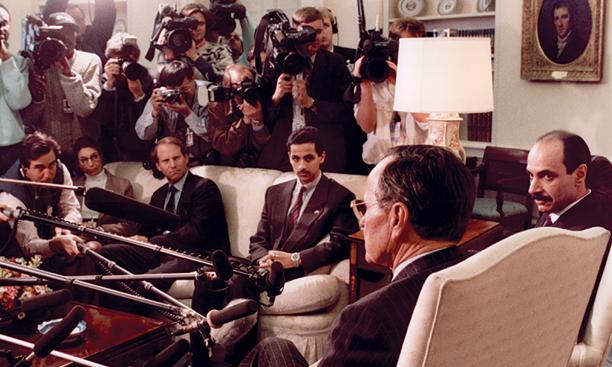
[221, 265]
[55, 336]
[170, 355]
[276, 280]
[216, 318]
[111, 203]
[43, 301]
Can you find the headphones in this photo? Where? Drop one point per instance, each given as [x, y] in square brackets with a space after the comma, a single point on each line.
[334, 22]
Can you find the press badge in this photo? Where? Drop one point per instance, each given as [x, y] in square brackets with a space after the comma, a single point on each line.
[66, 107]
[189, 138]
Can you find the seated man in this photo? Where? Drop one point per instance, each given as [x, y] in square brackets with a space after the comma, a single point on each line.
[38, 162]
[416, 207]
[558, 165]
[90, 160]
[196, 200]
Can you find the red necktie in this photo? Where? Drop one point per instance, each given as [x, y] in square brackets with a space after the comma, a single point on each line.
[548, 222]
[294, 213]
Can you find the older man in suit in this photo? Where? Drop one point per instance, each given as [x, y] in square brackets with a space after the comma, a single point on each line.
[416, 207]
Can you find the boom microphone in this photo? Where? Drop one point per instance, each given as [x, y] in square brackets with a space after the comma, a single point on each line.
[221, 265]
[55, 336]
[120, 206]
[217, 318]
[170, 355]
[43, 301]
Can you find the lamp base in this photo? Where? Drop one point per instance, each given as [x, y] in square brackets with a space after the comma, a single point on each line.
[444, 132]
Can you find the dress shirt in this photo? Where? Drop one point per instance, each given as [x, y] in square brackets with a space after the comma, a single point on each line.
[554, 216]
[310, 188]
[179, 190]
[99, 181]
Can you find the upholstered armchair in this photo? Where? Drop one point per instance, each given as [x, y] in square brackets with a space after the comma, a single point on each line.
[517, 303]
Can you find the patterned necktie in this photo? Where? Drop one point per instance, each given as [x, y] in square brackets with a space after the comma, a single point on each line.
[548, 222]
[170, 207]
[294, 213]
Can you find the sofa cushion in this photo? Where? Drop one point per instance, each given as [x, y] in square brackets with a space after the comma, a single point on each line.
[306, 294]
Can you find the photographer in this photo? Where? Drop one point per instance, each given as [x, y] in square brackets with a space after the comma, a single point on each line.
[312, 97]
[14, 95]
[67, 91]
[236, 125]
[126, 87]
[374, 112]
[174, 110]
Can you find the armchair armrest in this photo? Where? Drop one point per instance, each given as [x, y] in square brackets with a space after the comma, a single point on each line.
[306, 294]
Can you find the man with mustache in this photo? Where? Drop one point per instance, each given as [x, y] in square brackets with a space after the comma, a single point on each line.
[558, 165]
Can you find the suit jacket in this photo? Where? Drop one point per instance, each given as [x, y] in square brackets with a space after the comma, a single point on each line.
[327, 212]
[370, 332]
[347, 53]
[203, 227]
[574, 48]
[109, 223]
[592, 211]
[326, 84]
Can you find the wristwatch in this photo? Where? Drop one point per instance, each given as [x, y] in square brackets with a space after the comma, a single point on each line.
[295, 259]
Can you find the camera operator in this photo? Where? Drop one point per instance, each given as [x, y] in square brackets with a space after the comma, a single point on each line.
[174, 110]
[310, 98]
[67, 91]
[374, 112]
[236, 126]
[126, 87]
[14, 95]
[92, 38]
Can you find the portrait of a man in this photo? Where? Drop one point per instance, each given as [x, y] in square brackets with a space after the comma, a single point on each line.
[564, 28]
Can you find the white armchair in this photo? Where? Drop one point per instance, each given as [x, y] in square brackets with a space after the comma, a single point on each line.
[517, 303]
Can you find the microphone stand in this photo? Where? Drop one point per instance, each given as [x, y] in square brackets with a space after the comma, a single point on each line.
[79, 190]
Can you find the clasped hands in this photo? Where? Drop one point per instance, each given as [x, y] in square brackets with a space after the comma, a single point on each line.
[273, 255]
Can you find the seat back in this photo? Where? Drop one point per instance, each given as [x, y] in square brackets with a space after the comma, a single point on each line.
[599, 177]
[504, 163]
[517, 303]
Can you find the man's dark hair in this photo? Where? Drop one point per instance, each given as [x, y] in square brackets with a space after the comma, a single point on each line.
[575, 149]
[412, 25]
[168, 140]
[36, 145]
[85, 142]
[306, 14]
[435, 186]
[174, 73]
[308, 134]
[563, 4]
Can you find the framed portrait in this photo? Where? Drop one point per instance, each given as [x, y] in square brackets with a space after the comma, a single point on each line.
[562, 40]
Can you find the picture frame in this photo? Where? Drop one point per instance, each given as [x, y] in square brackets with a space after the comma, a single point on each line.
[562, 40]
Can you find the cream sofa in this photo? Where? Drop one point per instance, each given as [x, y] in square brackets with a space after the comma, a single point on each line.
[306, 309]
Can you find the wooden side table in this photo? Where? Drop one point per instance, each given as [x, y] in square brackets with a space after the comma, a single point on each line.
[365, 278]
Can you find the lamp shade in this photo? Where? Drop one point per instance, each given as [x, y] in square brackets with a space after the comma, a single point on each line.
[442, 75]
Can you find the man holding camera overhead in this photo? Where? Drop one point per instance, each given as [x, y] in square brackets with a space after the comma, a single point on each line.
[126, 87]
[311, 97]
[235, 122]
[66, 90]
[174, 110]
[14, 95]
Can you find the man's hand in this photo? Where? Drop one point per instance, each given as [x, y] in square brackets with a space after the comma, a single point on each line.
[282, 257]
[158, 103]
[4, 52]
[63, 66]
[92, 245]
[301, 93]
[135, 87]
[112, 69]
[192, 54]
[181, 108]
[139, 237]
[66, 244]
[3, 218]
[284, 85]
[251, 113]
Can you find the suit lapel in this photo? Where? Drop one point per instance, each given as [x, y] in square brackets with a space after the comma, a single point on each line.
[312, 212]
[185, 199]
[281, 210]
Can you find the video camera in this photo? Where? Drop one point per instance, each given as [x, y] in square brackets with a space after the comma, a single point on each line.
[225, 13]
[40, 44]
[249, 91]
[376, 51]
[176, 30]
[285, 56]
[131, 69]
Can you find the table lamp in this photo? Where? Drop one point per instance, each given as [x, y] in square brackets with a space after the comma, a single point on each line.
[444, 77]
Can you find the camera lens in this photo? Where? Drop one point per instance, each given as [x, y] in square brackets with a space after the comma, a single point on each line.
[50, 51]
[293, 63]
[133, 70]
[225, 25]
[376, 69]
[179, 40]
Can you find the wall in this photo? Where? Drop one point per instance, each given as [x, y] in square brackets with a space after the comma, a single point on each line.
[524, 110]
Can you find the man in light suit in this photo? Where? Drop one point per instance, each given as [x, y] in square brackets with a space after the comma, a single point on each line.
[559, 165]
[416, 207]
[90, 161]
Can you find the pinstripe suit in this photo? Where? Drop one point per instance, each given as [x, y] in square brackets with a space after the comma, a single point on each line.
[370, 332]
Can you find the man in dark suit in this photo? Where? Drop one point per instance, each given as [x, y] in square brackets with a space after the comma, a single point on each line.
[567, 43]
[558, 166]
[196, 200]
[416, 207]
[310, 98]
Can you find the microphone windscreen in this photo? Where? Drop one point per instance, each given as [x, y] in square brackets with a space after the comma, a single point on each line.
[276, 279]
[170, 355]
[217, 318]
[59, 332]
[120, 206]
[221, 265]
[46, 300]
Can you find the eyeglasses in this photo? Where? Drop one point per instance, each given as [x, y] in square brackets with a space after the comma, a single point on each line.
[93, 157]
[360, 207]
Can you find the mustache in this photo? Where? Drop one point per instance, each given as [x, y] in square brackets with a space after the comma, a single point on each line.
[541, 197]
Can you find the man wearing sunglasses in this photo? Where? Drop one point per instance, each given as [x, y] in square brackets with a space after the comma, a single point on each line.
[416, 207]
